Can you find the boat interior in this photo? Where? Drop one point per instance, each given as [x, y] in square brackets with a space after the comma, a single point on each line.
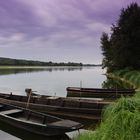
[27, 115]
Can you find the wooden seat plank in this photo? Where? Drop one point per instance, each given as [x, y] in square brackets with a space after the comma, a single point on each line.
[64, 123]
[12, 111]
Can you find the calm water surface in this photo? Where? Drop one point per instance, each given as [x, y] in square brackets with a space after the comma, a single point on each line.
[48, 81]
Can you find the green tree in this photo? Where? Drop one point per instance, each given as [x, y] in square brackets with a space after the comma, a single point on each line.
[123, 49]
[106, 51]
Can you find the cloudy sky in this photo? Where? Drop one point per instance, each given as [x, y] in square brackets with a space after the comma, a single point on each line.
[56, 30]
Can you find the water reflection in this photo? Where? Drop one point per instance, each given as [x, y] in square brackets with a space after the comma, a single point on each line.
[49, 80]
[6, 71]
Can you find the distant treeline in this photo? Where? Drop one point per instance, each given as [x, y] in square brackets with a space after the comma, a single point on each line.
[19, 62]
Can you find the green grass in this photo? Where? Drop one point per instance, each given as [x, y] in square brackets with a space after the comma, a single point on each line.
[121, 119]
[85, 136]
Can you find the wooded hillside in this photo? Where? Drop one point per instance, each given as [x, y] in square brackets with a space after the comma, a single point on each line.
[19, 62]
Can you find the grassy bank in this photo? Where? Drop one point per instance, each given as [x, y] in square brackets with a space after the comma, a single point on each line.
[121, 119]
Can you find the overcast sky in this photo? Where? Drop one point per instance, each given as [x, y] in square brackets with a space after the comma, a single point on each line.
[56, 30]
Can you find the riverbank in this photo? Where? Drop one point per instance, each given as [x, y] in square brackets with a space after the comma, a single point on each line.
[121, 119]
[120, 122]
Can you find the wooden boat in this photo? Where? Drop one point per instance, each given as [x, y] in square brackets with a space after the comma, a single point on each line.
[99, 93]
[82, 110]
[34, 122]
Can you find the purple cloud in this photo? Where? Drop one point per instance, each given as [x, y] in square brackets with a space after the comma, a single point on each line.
[56, 30]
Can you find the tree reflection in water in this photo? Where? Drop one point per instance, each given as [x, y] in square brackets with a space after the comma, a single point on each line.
[6, 71]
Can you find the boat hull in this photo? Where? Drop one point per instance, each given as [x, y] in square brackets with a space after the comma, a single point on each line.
[81, 110]
[56, 128]
[99, 93]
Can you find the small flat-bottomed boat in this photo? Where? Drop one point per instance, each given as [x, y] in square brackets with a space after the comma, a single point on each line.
[34, 122]
[99, 92]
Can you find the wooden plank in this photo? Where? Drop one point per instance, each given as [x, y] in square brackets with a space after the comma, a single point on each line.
[64, 123]
[75, 116]
[12, 111]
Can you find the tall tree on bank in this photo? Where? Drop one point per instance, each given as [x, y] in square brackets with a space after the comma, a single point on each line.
[122, 49]
[106, 50]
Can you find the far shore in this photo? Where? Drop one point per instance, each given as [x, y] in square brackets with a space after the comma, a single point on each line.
[42, 67]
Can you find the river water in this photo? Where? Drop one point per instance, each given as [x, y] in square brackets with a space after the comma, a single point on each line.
[48, 81]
